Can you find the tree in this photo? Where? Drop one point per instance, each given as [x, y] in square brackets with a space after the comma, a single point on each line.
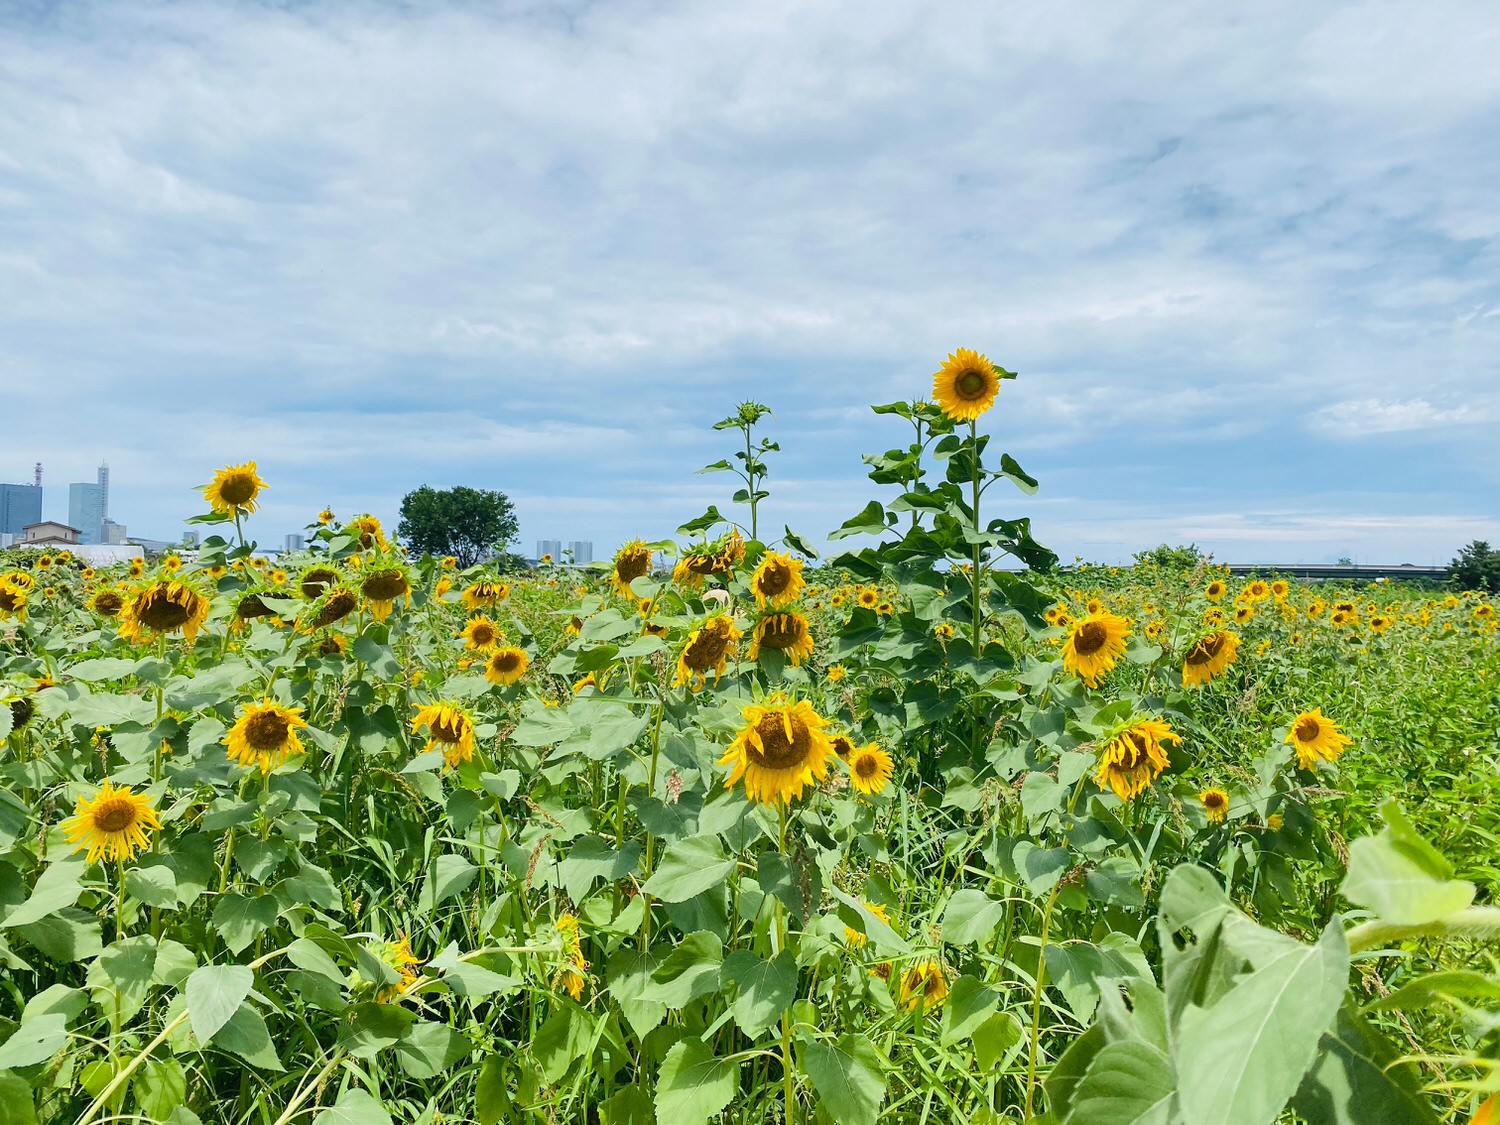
[1172, 558]
[1477, 567]
[471, 524]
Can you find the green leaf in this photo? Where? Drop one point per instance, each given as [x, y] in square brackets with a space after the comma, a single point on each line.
[689, 868]
[241, 920]
[969, 1005]
[451, 875]
[57, 886]
[35, 1041]
[155, 885]
[766, 988]
[693, 1085]
[798, 544]
[1401, 877]
[1239, 1060]
[1426, 991]
[689, 971]
[870, 521]
[430, 1048]
[492, 1101]
[848, 1075]
[591, 859]
[1357, 1080]
[245, 1034]
[1077, 969]
[214, 993]
[354, 1107]
[1126, 1083]
[16, 1105]
[160, 1086]
[971, 916]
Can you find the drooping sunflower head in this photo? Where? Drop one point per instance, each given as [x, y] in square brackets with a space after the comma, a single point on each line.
[249, 607]
[20, 707]
[449, 729]
[1134, 758]
[1215, 805]
[924, 987]
[1094, 645]
[265, 735]
[234, 489]
[13, 601]
[780, 750]
[23, 581]
[843, 747]
[632, 561]
[506, 665]
[382, 587]
[777, 581]
[314, 580]
[161, 608]
[485, 594]
[397, 955]
[113, 824]
[787, 633]
[966, 385]
[708, 649]
[1316, 738]
[371, 534]
[1208, 657]
[870, 769]
[335, 605]
[480, 634]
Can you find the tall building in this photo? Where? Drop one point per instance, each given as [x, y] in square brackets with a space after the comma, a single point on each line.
[86, 511]
[583, 551]
[294, 542]
[112, 533]
[20, 504]
[551, 547]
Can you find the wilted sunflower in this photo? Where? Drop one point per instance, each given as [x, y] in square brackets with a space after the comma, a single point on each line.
[382, 587]
[332, 645]
[632, 561]
[163, 607]
[856, 940]
[265, 735]
[571, 976]
[107, 602]
[1209, 657]
[234, 489]
[337, 604]
[480, 634]
[1094, 645]
[21, 710]
[708, 649]
[113, 824]
[966, 385]
[1483, 612]
[315, 580]
[843, 747]
[1134, 758]
[924, 987]
[23, 581]
[1215, 590]
[249, 607]
[785, 632]
[371, 534]
[449, 728]
[326, 516]
[781, 749]
[777, 581]
[870, 769]
[1215, 805]
[485, 594]
[12, 602]
[506, 665]
[1316, 738]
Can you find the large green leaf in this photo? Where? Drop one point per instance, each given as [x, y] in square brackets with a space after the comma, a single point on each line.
[1126, 1083]
[1401, 877]
[689, 971]
[971, 916]
[689, 868]
[693, 1085]
[354, 1107]
[1357, 1080]
[849, 1077]
[766, 988]
[245, 1034]
[214, 993]
[56, 887]
[451, 875]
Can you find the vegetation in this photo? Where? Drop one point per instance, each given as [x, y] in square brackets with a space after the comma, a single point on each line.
[469, 524]
[367, 837]
[1476, 567]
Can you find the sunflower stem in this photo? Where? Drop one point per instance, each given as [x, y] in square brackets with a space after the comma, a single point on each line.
[1036, 1004]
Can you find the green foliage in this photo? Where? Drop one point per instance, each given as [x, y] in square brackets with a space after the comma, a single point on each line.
[1476, 567]
[1172, 558]
[470, 524]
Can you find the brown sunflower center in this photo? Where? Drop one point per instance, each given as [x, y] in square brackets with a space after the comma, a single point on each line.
[267, 730]
[632, 564]
[781, 632]
[1133, 749]
[867, 765]
[970, 384]
[482, 633]
[1205, 650]
[1090, 638]
[109, 603]
[1214, 800]
[842, 746]
[20, 713]
[775, 579]
[705, 650]
[10, 600]
[449, 730]
[385, 585]
[340, 605]
[162, 610]
[237, 488]
[314, 582]
[505, 662]
[1308, 730]
[777, 751]
[251, 606]
[114, 816]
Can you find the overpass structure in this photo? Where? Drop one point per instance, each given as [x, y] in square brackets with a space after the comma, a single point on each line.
[1337, 572]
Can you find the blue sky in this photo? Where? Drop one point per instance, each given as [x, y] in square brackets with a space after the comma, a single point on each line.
[1246, 259]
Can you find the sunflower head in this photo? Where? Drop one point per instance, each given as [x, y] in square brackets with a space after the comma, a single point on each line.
[632, 561]
[449, 729]
[113, 824]
[924, 987]
[161, 608]
[234, 489]
[1316, 738]
[13, 601]
[265, 735]
[381, 587]
[1134, 758]
[505, 666]
[371, 534]
[781, 749]
[856, 940]
[836, 672]
[1094, 645]
[480, 634]
[485, 594]
[787, 633]
[326, 517]
[1208, 657]
[1215, 804]
[335, 605]
[1214, 590]
[870, 769]
[708, 649]
[777, 581]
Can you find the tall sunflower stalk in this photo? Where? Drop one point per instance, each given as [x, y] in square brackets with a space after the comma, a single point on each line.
[752, 464]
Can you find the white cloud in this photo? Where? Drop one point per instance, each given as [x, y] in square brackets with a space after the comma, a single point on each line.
[1358, 418]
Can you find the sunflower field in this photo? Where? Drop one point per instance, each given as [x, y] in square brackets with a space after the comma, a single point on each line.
[930, 831]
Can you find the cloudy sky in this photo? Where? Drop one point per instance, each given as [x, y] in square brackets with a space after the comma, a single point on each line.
[1248, 265]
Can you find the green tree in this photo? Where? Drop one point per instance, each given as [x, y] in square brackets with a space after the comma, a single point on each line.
[1172, 558]
[471, 524]
[1477, 567]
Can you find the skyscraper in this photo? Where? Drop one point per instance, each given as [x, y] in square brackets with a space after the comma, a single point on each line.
[20, 504]
[583, 551]
[88, 507]
[551, 547]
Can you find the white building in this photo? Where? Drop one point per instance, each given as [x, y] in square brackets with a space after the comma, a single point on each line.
[583, 551]
[552, 547]
[48, 533]
[294, 543]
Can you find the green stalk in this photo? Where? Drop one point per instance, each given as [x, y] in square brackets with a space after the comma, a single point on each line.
[1036, 1005]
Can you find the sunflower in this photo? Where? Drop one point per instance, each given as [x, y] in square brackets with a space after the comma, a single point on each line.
[371, 534]
[23, 581]
[326, 516]
[398, 956]
[485, 594]
[965, 386]
[315, 580]
[885, 608]
[1215, 590]
[780, 750]
[450, 562]
[868, 598]
[1094, 645]
[632, 561]
[1340, 617]
[944, 631]
[234, 489]
[1316, 738]
[21, 710]
[161, 608]
[843, 747]
[1256, 591]
[777, 581]
[381, 589]
[506, 665]
[449, 729]
[444, 584]
[1244, 613]
[786, 632]
[12, 602]
[1215, 805]
[1346, 607]
[337, 604]
[1483, 612]
[1134, 758]
[856, 940]
[113, 824]
[836, 672]
[171, 564]
[248, 608]
[571, 976]
[923, 987]
[1209, 657]
[870, 769]
[480, 634]
[587, 682]
[1379, 624]
[44, 562]
[88, 574]
[1154, 629]
[277, 577]
[1280, 589]
[332, 645]
[265, 735]
[707, 650]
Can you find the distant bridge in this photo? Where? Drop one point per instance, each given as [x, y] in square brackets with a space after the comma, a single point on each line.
[1335, 571]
